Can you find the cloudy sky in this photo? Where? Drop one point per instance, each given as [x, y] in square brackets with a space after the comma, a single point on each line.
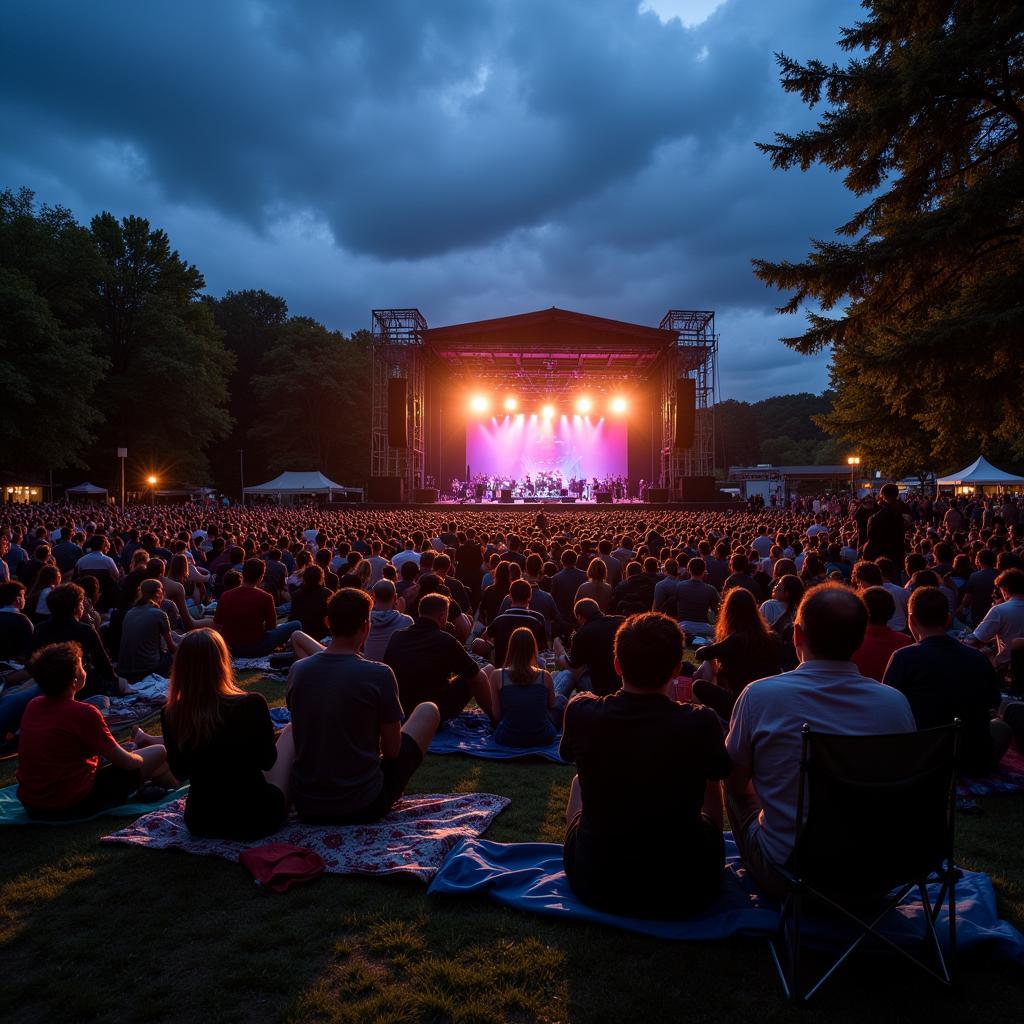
[473, 158]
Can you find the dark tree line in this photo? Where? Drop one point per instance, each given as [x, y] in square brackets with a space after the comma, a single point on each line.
[107, 341]
[921, 295]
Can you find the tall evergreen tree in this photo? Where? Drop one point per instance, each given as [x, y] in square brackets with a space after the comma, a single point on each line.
[926, 119]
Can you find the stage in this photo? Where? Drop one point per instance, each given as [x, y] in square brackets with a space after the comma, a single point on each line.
[550, 507]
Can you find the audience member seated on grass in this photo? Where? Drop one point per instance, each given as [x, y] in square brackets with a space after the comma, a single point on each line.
[309, 602]
[635, 592]
[696, 600]
[174, 591]
[60, 775]
[15, 626]
[523, 697]
[880, 642]
[385, 620]
[247, 616]
[66, 625]
[564, 586]
[825, 691]
[644, 827]
[745, 649]
[590, 661]
[597, 587]
[147, 644]
[433, 667]
[494, 642]
[221, 739]
[353, 755]
[540, 602]
[1004, 622]
[944, 679]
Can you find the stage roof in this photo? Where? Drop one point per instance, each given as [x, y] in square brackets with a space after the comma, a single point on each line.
[550, 351]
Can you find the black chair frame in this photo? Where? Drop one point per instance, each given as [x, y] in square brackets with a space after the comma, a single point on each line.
[785, 945]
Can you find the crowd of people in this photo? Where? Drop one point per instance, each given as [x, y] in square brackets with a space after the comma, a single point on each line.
[676, 653]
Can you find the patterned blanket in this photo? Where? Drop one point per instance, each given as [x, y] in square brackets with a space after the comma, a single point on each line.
[413, 839]
[1008, 778]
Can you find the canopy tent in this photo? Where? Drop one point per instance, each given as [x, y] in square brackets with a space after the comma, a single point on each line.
[291, 484]
[981, 473]
[87, 489]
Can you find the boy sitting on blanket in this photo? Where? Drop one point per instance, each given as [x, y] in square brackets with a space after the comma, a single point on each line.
[644, 821]
[353, 754]
[60, 776]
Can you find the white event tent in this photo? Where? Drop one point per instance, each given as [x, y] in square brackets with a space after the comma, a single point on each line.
[289, 485]
[981, 473]
[86, 490]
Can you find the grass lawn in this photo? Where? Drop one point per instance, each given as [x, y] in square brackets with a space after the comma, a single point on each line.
[108, 933]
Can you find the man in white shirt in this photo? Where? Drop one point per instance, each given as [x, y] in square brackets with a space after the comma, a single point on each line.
[410, 554]
[762, 543]
[96, 561]
[899, 594]
[827, 692]
[1004, 622]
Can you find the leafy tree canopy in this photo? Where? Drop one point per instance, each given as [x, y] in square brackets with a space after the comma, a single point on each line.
[926, 281]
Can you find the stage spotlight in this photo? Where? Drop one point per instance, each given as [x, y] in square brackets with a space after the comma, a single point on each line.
[583, 406]
[479, 403]
[511, 405]
[548, 412]
[618, 405]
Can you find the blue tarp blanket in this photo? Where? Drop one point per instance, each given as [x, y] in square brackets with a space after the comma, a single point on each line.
[471, 734]
[12, 813]
[529, 876]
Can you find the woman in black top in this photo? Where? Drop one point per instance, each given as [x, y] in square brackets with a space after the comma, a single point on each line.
[745, 649]
[66, 624]
[491, 598]
[222, 739]
[309, 602]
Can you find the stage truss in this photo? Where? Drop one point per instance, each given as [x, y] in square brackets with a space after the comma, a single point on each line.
[547, 355]
[397, 351]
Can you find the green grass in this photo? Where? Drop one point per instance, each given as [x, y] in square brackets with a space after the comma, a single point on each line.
[109, 933]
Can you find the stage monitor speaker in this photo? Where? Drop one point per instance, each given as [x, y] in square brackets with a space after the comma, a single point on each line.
[398, 420]
[390, 489]
[568, 499]
[657, 495]
[426, 495]
[506, 495]
[697, 488]
[603, 497]
[686, 411]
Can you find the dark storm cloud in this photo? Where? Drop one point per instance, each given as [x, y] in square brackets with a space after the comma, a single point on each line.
[475, 158]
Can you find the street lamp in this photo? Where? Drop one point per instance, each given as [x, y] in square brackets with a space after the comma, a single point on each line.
[853, 461]
[152, 481]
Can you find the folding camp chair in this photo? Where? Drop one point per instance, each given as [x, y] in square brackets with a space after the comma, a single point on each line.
[875, 819]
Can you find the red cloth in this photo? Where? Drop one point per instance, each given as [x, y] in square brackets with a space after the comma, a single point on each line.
[244, 615]
[58, 752]
[873, 656]
[279, 866]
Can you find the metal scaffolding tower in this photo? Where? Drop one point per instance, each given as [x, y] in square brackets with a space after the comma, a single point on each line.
[696, 356]
[397, 352]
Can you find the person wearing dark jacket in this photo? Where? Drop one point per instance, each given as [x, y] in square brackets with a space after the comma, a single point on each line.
[887, 528]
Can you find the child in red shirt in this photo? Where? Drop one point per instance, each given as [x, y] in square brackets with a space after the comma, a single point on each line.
[62, 740]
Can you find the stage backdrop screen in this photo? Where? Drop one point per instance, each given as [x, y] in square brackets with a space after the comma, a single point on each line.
[510, 447]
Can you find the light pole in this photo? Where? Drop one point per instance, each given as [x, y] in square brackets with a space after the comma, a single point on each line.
[241, 474]
[853, 461]
[152, 481]
[122, 454]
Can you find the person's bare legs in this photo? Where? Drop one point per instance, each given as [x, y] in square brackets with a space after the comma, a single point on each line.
[280, 775]
[713, 803]
[480, 687]
[463, 626]
[304, 645]
[422, 724]
[154, 766]
[143, 739]
[706, 671]
[575, 804]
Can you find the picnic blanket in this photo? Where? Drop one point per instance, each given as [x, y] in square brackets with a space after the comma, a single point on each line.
[1008, 778]
[471, 734]
[12, 813]
[413, 839]
[529, 876]
[259, 665]
[149, 697]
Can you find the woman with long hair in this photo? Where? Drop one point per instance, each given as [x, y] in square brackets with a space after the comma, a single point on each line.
[745, 649]
[523, 697]
[787, 594]
[596, 587]
[46, 579]
[494, 593]
[222, 739]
